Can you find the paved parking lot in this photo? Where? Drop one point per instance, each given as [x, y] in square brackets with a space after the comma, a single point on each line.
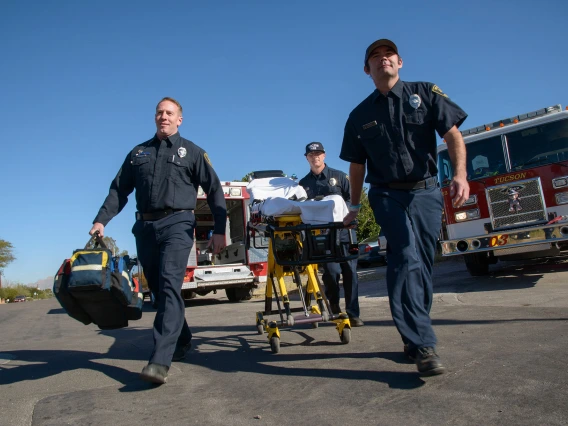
[503, 339]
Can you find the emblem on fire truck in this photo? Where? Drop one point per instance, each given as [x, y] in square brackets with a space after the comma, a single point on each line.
[513, 197]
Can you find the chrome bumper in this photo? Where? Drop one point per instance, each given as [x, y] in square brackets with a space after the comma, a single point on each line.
[520, 237]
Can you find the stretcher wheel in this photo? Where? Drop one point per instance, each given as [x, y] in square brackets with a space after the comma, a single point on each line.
[259, 329]
[275, 344]
[325, 316]
[315, 325]
[345, 335]
[290, 321]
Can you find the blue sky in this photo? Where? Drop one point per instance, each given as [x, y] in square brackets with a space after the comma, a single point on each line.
[258, 80]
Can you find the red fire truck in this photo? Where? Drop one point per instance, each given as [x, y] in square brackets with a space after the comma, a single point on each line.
[236, 269]
[517, 170]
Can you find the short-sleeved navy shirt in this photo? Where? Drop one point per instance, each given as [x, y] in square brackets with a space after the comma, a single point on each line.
[395, 134]
[165, 174]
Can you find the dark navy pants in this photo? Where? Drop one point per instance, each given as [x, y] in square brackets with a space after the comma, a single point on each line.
[331, 275]
[163, 250]
[411, 222]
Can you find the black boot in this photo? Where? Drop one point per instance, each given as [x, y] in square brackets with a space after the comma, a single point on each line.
[356, 322]
[428, 362]
[155, 373]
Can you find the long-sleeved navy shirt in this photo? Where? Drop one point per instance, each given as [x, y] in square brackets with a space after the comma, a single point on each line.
[165, 175]
[328, 182]
[324, 186]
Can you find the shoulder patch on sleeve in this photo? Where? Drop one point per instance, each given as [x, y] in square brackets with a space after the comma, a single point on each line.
[207, 159]
[438, 91]
[347, 177]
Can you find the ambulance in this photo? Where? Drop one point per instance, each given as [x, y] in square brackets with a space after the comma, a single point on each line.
[239, 268]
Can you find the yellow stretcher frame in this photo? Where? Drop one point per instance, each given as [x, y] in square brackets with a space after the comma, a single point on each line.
[290, 229]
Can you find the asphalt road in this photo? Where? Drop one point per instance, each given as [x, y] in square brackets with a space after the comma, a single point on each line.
[503, 339]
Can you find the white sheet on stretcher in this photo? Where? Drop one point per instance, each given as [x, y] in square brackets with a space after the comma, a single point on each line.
[261, 189]
[331, 209]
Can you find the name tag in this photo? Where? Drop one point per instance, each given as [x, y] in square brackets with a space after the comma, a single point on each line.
[369, 125]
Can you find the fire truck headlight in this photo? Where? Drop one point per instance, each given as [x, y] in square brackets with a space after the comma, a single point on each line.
[560, 182]
[235, 192]
[467, 215]
[562, 198]
[471, 200]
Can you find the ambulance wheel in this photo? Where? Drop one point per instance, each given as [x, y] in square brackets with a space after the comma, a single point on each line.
[346, 335]
[188, 294]
[238, 294]
[275, 344]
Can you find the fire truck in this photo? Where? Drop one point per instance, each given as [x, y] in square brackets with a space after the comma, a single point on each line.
[239, 268]
[517, 169]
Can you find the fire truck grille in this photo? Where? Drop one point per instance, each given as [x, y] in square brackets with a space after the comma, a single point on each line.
[516, 204]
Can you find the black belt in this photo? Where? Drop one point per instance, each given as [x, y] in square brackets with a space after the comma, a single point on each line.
[158, 215]
[421, 184]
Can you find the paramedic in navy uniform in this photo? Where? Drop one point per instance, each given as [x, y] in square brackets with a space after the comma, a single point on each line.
[391, 134]
[320, 182]
[166, 172]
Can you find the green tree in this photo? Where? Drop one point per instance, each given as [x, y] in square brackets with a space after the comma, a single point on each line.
[37, 294]
[31, 293]
[9, 293]
[366, 227]
[6, 254]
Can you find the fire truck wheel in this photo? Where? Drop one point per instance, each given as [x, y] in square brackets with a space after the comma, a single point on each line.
[477, 264]
[236, 294]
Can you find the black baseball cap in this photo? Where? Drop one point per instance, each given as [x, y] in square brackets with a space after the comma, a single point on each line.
[314, 146]
[381, 42]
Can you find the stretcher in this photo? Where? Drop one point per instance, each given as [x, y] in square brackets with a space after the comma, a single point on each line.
[299, 235]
